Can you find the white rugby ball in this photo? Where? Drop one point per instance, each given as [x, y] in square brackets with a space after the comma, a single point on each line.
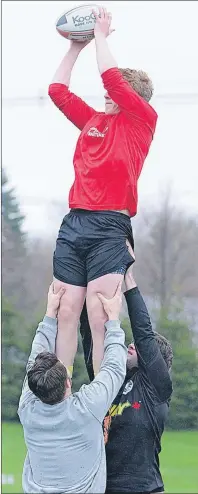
[77, 24]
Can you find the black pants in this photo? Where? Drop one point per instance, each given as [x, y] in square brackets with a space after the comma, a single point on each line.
[91, 244]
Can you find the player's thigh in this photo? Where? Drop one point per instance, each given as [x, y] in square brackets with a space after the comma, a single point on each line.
[106, 285]
[68, 317]
[106, 265]
[72, 301]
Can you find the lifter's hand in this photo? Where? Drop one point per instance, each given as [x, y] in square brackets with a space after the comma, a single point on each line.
[103, 23]
[53, 301]
[112, 306]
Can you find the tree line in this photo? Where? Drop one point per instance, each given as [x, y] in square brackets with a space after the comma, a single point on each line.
[166, 245]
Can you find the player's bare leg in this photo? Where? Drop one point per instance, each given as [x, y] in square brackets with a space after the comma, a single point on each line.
[68, 316]
[107, 286]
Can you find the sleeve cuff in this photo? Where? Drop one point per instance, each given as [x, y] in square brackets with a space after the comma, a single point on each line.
[50, 321]
[112, 68]
[56, 89]
[109, 72]
[132, 291]
[54, 85]
[112, 324]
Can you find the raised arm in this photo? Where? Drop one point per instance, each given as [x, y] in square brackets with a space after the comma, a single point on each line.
[99, 395]
[76, 110]
[44, 339]
[119, 90]
[149, 355]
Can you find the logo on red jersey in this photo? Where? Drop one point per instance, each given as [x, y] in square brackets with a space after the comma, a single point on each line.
[93, 132]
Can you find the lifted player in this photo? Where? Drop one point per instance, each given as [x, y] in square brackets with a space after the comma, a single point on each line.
[91, 254]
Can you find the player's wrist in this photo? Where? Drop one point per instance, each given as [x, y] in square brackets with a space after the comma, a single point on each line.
[99, 36]
[50, 312]
[75, 49]
[113, 316]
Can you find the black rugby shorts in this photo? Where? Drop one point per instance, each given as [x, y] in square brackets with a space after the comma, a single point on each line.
[91, 244]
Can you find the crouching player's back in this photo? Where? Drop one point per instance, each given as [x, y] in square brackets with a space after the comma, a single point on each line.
[63, 431]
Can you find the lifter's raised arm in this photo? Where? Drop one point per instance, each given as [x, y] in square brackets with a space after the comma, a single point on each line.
[44, 339]
[148, 351]
[76, 110]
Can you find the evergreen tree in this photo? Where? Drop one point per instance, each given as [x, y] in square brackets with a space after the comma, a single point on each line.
[13, 359]
[14, 254]
[10, 208]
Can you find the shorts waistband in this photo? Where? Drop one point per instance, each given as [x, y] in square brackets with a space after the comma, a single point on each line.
[88, 212]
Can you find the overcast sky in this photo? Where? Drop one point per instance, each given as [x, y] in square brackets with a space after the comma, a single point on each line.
[38, 142]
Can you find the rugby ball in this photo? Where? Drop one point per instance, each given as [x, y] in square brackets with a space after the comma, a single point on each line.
[78, 23]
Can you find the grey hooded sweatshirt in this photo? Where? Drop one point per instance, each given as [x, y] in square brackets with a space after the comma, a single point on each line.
[65, 446]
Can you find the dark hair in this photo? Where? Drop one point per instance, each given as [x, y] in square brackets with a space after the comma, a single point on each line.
[165, 349]
[47, 378]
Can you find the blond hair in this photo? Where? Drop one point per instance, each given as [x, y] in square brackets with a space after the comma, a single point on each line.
[139, 81]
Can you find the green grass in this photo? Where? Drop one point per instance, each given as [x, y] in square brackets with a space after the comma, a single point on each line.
[13, 454]
[178, 459]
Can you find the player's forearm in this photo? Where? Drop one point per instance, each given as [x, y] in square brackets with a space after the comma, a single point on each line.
[115, 351]
[142, 331]
[63, 73]
[149, 354]
[45, 337]
[138, 314]
[105, 59]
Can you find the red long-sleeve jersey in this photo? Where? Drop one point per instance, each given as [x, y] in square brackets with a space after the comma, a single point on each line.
[111, 149]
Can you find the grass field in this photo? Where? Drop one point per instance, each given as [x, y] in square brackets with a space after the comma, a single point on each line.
[179, 460]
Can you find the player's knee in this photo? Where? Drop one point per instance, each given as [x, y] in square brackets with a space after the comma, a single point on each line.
[66, 311]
